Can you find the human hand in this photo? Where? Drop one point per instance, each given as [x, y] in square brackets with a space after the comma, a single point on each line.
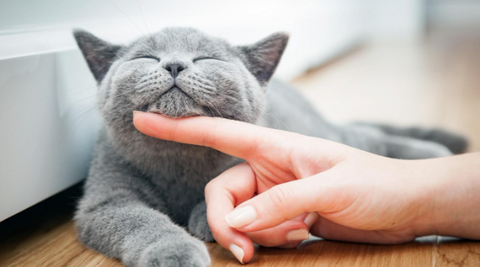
[358, 196]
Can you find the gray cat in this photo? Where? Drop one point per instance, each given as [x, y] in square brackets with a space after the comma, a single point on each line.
[143, 194]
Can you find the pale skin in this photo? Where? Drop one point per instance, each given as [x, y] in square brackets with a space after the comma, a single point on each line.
[292, 184]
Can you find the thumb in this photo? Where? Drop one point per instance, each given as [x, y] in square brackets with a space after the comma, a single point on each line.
[279, 204]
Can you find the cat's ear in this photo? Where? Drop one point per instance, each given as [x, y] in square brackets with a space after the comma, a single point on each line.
[263, 57]
[99, 54]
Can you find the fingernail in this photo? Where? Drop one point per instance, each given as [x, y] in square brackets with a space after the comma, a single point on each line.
[237, 252]
[241, 217]
[297, 235]
[134, 113]
[311, 219]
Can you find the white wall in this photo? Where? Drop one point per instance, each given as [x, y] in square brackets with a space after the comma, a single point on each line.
[395, 19]
[454, 15]
[319, 29]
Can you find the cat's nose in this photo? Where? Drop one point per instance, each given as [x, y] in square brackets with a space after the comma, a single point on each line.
[174, 69]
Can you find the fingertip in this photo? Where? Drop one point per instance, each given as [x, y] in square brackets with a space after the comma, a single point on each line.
[297, 235]
[311, 218]
[238, 252]
[139, 120]
[287, 235]
[154, 125]
[135, 118]
[297, 231]
[242, 248]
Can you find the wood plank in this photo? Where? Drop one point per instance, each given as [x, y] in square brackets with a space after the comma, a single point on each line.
[452, 252]
[59, 247]
[328, 253]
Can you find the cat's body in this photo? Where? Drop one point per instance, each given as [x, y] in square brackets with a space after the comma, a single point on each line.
[141, 191]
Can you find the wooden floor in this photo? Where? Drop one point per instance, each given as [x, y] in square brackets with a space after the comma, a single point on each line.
[435, 82]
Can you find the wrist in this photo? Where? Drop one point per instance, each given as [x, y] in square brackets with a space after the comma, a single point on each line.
[419, 191]
[427, 188]
[447, 196]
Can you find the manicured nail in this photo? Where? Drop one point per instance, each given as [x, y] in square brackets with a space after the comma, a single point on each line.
[241, 217]
[297, 235]
[311, 219]
[237, 252]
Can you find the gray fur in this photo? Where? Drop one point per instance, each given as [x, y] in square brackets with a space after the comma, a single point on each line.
[142, 194]
[99, 54]
[198, 225]
[454, 142]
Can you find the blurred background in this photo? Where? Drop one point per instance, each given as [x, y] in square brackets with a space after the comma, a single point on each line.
[402, 62]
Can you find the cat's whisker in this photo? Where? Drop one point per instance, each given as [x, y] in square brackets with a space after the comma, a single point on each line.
[121, 11]
[240, 21]
[211, 111]
[73, 125]
[176, 113]
[82, 100]
[209, 89]
[78, 117]
[265, 113]
[83, 88]
[230, 97]
[207, 92]
[218, 111]
[202, 80]
[143, 17]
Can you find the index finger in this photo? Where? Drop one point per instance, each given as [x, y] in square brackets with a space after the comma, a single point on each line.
[235, 138]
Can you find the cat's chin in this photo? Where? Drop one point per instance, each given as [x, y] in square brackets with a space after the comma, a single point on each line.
[176, 115]
[176, 104]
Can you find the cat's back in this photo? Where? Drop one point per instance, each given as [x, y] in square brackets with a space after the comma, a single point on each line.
[288, 110]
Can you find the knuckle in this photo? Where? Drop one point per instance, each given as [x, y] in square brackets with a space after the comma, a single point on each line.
[213, 190]
[279, 196]
[209, 187]
[213, 185]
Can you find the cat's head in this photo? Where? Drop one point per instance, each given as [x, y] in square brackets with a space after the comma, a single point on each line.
[182, 72]
[179, 72]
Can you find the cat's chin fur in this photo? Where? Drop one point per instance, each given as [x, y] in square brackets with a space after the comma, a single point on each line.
[175, 103]
[176, 115]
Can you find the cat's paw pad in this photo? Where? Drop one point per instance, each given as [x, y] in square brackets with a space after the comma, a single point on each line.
[176, 253]
[198, 224]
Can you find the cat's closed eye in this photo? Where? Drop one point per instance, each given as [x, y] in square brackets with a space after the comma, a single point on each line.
[205, 58]
[147, 57]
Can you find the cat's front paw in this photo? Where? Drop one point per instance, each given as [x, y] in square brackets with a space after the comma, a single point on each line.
[198, 224]
[185, 251]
